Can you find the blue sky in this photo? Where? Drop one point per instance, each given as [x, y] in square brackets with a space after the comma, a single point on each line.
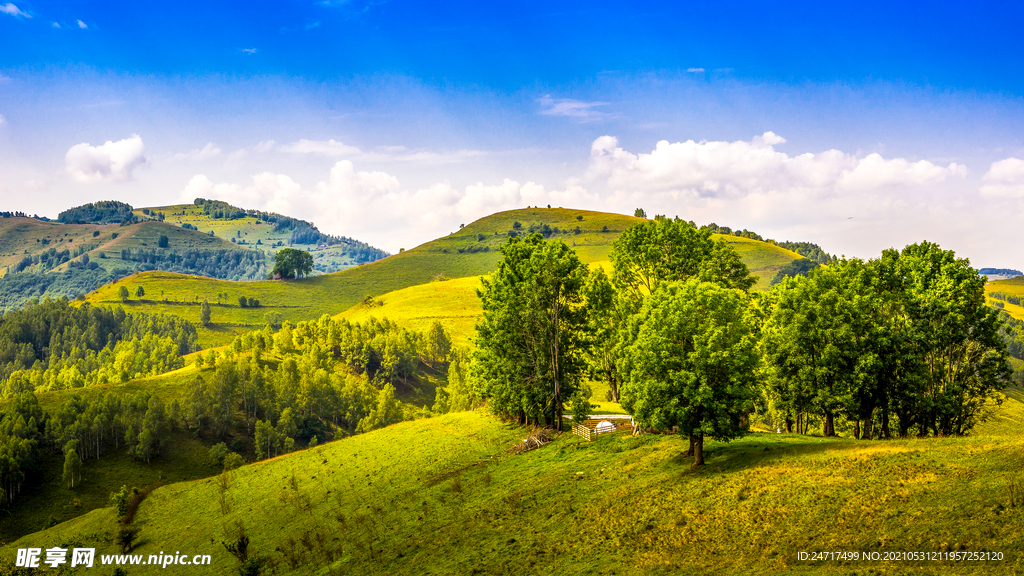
[857, 126]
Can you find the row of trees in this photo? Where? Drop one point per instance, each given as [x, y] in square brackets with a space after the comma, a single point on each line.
[903, 344]
[53, 345]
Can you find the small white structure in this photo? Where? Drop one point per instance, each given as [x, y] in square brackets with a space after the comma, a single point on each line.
[604, 426]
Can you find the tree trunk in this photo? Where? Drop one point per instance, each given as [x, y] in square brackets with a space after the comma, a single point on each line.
[869, 429]
[698, 452]
[829, 429]
[856, 429]
[789, 425]
[689, 452]
[885, 425]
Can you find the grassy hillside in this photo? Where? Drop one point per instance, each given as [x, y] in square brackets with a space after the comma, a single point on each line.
[453, 501]
[252, 233]
[472, 251]
[20, 237]
[453, 303]
[1013, 287]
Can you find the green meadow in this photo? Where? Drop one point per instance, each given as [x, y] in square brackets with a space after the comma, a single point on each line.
[453, 500]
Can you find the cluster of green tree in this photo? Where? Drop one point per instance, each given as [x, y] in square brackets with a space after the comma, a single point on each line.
[54, 345]
[248, 302]
[158, 216]
[23, 215]
[22, 428]
[88, 428]
[903, 342]
[105, 212]
[311, 381]
[805, 249]
[302, 232]
[798, 267]
[541, 228]
[52, 258]
[1006, 298]
[999, 272]
[17, 289]
[222, 264]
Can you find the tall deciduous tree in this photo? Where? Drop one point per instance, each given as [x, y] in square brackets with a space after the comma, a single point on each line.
[691, 361]
[665, 250]
[531, 339]
[204, 313]
[291, 263]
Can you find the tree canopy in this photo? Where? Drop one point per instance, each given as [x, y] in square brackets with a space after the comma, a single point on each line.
[530, 340]
[292, 263]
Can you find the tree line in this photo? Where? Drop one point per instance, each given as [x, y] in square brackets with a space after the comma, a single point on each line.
[53, 345]
[104, 212]
[894, 346]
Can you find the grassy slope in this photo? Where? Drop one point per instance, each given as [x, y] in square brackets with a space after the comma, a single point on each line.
[249, 232]
[20, 237]
[1013, 287]
[451, 501]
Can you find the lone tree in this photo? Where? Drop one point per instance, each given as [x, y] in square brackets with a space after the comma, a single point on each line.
[122, 293]
[140, 292]
[204, 313]
[163, 241]
[531, 339]
[692, 362]
[292, 263]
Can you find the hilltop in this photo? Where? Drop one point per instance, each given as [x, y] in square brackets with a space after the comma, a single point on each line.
[469, 252]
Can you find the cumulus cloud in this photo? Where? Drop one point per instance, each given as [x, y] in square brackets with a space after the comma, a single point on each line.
[82, 25]
[13, 10]
[56, 24]
[112, 161]
[571, 108]
[211, 150]
[732, 169]
[1004, 178]
[249, 50]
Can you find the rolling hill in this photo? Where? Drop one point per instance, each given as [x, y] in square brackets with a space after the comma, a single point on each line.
[453, 500]
[471, 251]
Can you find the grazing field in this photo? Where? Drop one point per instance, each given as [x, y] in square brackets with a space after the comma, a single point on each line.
[1012, 287]
[470, 252]
[452, 500]
[453, 303]
[20, 237]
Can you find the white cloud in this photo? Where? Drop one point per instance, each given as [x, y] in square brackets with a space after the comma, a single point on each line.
[249, 50]
[1005, 178]
[571, 108]
[211, 150]
[718, 168]
[13, 10]
[56, 24]
[112, 161]
[694, 69]
[327, 148]
[82, 25]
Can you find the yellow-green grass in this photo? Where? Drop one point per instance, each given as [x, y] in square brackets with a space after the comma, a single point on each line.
[247, 231]
[1013, 287]
[453, 303]
[334, 293]
[442, 496]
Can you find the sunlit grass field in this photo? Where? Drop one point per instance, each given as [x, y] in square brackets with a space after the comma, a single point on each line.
[451, 500]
